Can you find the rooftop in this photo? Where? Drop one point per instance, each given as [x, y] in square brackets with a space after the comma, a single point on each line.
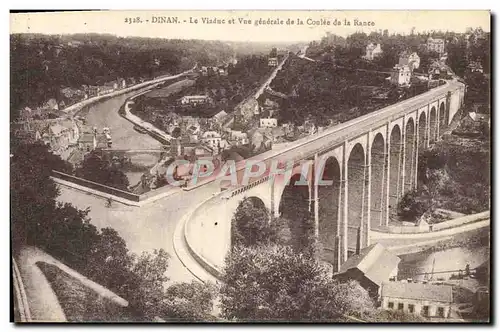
[86, 137]
[374, 261]
[479, 116]
[418, 291]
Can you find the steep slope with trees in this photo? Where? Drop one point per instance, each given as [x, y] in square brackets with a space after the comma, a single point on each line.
[101, 255]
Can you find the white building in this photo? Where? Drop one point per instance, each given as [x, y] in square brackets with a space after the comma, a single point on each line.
[195, 100]
[219, 117]
[268, 122]
[411, 60]
[204, 71]
[417, 298]
[373, 51]
[239, 137]
[401, 75]
[435, 45]
[212, 139]
[272, 62]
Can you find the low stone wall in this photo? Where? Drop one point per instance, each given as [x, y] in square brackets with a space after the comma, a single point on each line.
[117, 193]
[97, 186]
[461, 221]
[434, 227]
[78, 106]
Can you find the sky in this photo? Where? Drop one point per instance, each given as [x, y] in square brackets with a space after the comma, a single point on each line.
[114, 22]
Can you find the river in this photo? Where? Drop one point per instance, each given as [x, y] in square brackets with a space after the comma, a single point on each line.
[105, 114]
[143, 228]
[448, 256]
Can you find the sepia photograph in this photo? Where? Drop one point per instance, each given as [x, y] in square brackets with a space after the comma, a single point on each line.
[257, 166]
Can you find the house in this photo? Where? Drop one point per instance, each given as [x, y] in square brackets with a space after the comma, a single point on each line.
[92, 91]
[76, 157]
[204, 71]
[103, 141]
[122, 83]
[411, 60]
[87, 142]
[60, 135]
[212, 139]
[197, 150]
[219, 117]
[371, 267]
[401, 75]
[261, 138]
[223, 72]
[181, 146]
[268, 123]
[51, 104]
[427, 300]
[435, 45]
[475, 67]
[238, 137]
[270, 103]
[278, 134]
[474, 121]
[272, 62]
[71, 93]
[195, 100]
[373, 51]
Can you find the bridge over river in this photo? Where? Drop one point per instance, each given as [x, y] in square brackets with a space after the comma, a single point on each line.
[371, 161]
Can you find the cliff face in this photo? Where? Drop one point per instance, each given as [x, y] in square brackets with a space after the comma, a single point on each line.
[458, 174]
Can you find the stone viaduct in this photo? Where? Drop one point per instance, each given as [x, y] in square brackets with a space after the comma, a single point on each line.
[370, 161]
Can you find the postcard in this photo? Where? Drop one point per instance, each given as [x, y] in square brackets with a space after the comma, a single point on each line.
[250, 166]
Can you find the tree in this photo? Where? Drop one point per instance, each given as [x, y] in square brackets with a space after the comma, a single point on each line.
[66, 233]
[32, 192]
[251, 224]
[148, 293]
[95, 168]
[273, 53]
[275, 283]
[176, 132]
[413, 205]
[161, 180]
[191, 302]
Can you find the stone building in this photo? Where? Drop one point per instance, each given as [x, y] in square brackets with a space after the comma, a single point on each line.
[417, 298]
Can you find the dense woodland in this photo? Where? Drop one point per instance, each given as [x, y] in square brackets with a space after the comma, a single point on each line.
[349, 50]
[226, 91]
[42, 64]
[328, 94]
[298, 289]
[68, 234]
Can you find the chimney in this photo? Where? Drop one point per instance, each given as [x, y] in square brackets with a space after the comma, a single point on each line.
[358, 241]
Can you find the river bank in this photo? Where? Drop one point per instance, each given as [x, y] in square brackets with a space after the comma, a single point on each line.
[472, 247]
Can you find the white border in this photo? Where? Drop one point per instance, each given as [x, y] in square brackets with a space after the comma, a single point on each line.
[189, 4]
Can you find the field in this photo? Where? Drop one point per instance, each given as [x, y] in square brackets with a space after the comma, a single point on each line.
[169, 88]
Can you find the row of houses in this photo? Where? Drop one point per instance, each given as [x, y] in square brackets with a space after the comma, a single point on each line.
[214, 70]
[68, 96]
[65, 137]
[374, 50]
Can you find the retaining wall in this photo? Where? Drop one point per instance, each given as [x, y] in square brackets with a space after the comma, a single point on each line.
[78, 106]
[435, 227]
[97, 186]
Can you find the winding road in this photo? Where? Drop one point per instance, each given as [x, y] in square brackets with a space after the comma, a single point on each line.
[143, 228]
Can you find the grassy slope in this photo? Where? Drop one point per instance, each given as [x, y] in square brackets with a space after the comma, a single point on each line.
[79, 303]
